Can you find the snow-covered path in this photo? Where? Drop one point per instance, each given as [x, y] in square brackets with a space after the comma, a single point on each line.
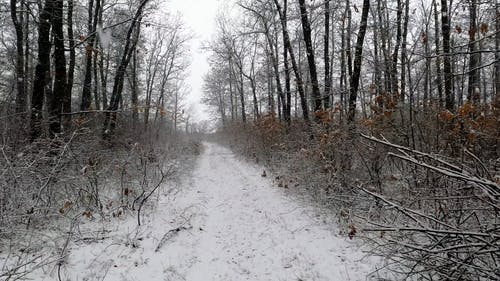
[253, 232]
[226, 223]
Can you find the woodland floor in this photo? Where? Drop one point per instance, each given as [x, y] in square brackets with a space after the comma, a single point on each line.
[223, 222]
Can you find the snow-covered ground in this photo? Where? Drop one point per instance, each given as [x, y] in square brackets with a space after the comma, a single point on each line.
[225, 223]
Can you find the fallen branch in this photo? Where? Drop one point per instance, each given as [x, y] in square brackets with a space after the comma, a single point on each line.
[170, 234]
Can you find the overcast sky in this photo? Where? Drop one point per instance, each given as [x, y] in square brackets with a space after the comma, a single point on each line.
[199, 17]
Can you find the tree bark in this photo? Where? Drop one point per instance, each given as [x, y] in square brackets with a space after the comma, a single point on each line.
[448, 76]
[287, 103]
[71, 68]
[298, 76]
[358, 61]
[473, 93]
[404, 51]
[395, 54]
[306, 29]
[343, 63]
[134, 100]
[497, 53]
[42, 73]
[383, 38]
[103, 72]
[439, 74]
[242, 93]
[95, 67]
[17, 20]
[87, 81]
[326, 56]
[116, 95]
[60, 80]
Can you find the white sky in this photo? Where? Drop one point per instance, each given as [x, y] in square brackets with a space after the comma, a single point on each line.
[199, 17]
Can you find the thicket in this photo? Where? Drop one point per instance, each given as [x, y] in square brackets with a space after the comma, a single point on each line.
[54, 184]
[424, 194]
[92, 116]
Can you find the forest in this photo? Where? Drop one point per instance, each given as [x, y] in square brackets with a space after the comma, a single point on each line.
[385, 111]
[384, 114]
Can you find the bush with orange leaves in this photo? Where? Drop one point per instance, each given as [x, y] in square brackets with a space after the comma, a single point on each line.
[438, 150]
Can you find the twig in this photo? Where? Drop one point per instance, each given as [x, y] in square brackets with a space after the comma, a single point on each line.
[92, 111]
[480, 163]
[171, 233]
[434, 231]
[399, 147]
[408, 212]
[163, 176]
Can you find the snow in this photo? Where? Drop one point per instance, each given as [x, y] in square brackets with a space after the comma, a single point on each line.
[226, 222]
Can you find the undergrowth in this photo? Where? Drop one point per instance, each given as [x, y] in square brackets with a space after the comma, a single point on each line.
[421, 189]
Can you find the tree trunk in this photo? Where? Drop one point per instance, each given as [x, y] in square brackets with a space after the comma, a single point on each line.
[42, 73]
[298, 76]
[358, 60]
[497, 53]
[28, 75]
[72, 62]
[385, 51]
[231, 90]
[448, 76]
[242, 94]
[348, 40]
[326, 56]
[103, 72]
[254, 95]
[473, 94]
[87, 81]
[97, 96]
[92, 27]
[306, 29]
[403, 52]
[17, 20]
[287, 110]
[439, 74]
[343, 65]
[134, 100]
[377, 83]
[427, 86]
[270, 85]
[60, 80]
[395, 54]
[116, 95]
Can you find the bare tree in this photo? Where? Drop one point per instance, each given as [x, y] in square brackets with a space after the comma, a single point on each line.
[356, 74]
[17, 20]
[60, 80]
[448, 75]
[474, 58]
[306, 29]
[42, 70]
[130, 44]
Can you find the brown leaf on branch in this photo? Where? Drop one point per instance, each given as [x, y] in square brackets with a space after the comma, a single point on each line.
[484, 28]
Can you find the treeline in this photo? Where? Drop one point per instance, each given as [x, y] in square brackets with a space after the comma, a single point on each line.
[385, 111]
[287, 58]
[66, 61]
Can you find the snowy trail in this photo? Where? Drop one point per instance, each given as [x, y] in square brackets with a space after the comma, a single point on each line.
[233, 225]
[253, 232]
